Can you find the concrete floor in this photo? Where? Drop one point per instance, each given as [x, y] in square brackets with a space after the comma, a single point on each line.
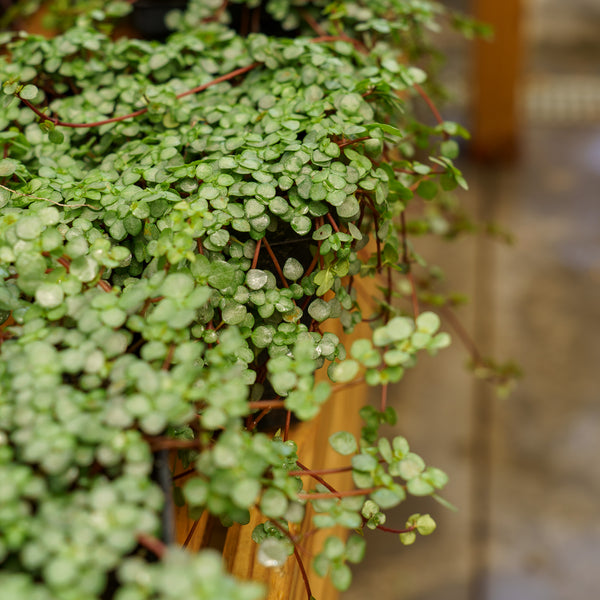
[523, 470]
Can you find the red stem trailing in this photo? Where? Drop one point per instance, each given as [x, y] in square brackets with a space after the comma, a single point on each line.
[168, 358]
[358, 45]
[275, 263]
[312, 472]
[413, 172]
[288, 420]
[333, 223]
[312, 22]
[316, 495]
[343, 386]
[290, 537]
[313, 264]
[58, 123]
[260, 404]
[354, 141]
[263, 413]
[170, 444]
[390, 530]
[303, 573]
[65, 262]
[384, 393]
[256, 253]
[432, 106]
[463, 335]
[314, 475]
[217, 14]
[377, 240]
[153, 544]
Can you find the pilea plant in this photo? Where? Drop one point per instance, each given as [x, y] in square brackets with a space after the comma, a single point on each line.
[180, 220]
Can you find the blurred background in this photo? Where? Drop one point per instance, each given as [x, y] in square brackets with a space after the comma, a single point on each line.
[524, 469]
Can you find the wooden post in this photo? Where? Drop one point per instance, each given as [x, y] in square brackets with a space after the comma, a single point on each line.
[496, 73]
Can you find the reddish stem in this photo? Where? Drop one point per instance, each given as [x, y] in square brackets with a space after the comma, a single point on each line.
[153, 544]
[432, 106]
[104, 285]
[256, 253]
[355, 141]
[412, 172]
[289, 536]
[384, 394]
[358, 45]
[342, 386]
[314, 475]
[333, 223]
[390, 530]
[58, 123]
[377, 240]
[169, 444]
[275, 263]
[313, 264]
[314, 24]
[313, 472]
[318, 495]
[465, 338]
[65, 262]
[288, 420]
[303, 573]
[217, 14]
[168, 358]
[260, 404]
[263, 413]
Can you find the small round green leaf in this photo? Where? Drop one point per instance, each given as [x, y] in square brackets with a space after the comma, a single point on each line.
[49, 295]
[428, 322]
[29, 92]
[344, 371]
[408, 538]
[343, 442]
[273, 552]
[425, 525]
[293, 269]
[273, 503]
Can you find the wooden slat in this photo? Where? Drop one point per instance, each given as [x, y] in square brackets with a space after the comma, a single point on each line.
[495, 124]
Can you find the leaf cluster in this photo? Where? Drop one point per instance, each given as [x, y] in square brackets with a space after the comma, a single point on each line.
[179, 221]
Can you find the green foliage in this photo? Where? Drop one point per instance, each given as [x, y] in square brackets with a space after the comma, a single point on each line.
[334, 556]
[179, 222]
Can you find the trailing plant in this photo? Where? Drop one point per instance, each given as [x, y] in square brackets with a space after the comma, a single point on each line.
[179, 222]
